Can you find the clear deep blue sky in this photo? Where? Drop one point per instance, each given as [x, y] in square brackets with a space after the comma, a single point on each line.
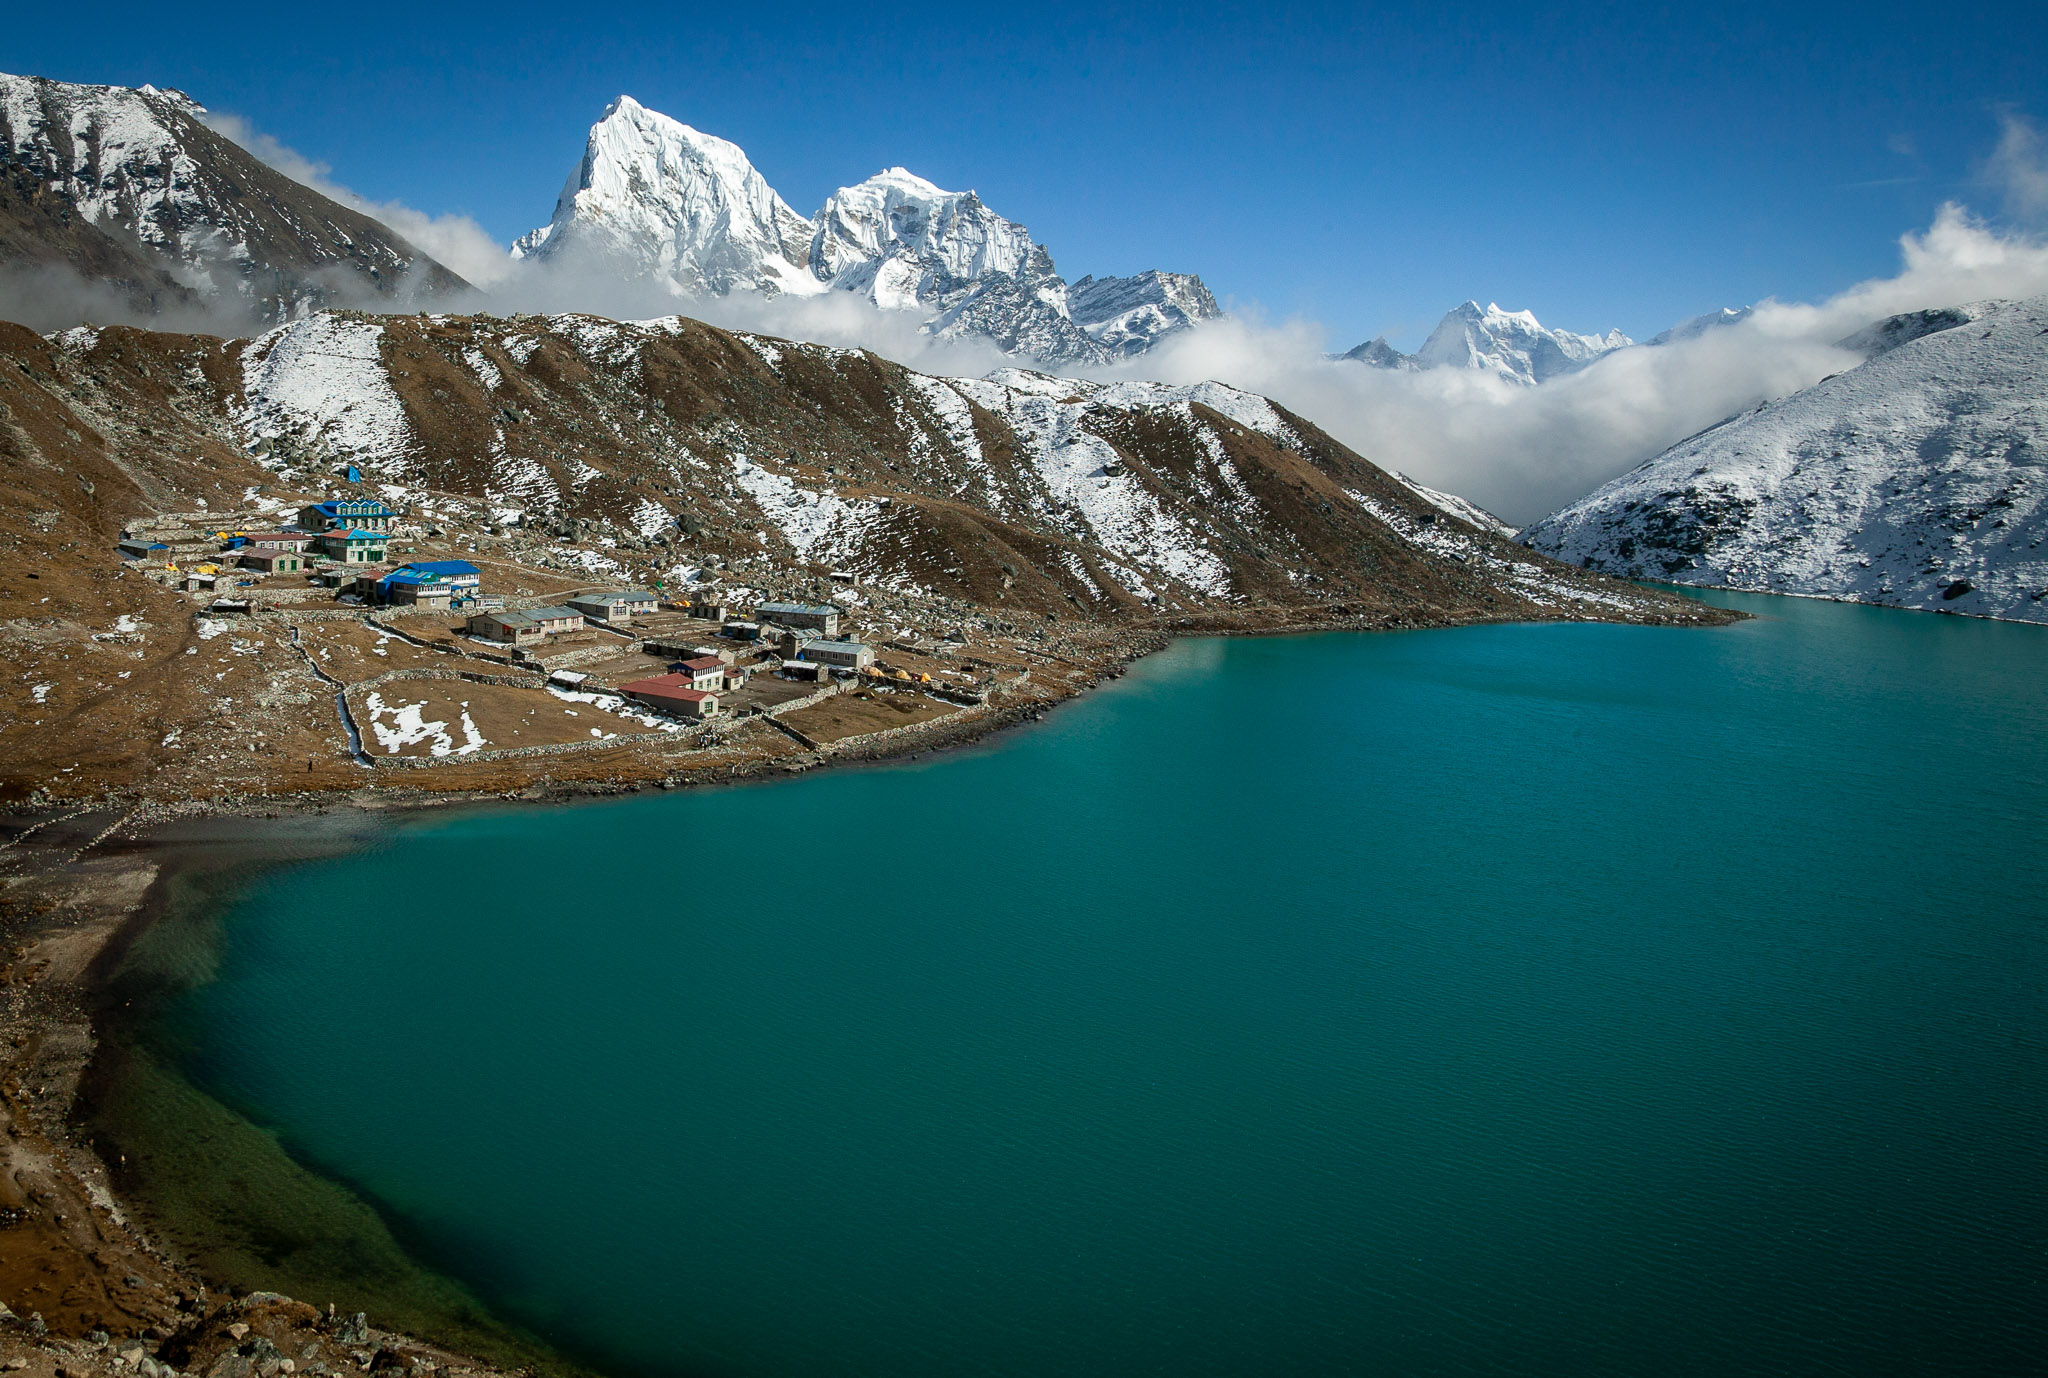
[1367, 167]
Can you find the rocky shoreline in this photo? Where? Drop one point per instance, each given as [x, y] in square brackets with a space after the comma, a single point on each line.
[98, 1291]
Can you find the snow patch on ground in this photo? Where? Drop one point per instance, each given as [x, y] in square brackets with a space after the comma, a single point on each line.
[483, 368]
[323, 379]
[619, 708]
[1458, 507]
[770, 355]
[1453, 543]
[407, 726]
[817, 525]
[650, 518]
[1115, 511]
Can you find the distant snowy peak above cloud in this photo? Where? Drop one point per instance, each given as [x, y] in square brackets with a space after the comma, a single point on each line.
[899, 218]
[1512, 345]
[1699, 325]
[1379, 354]
[1515, 346]
[654, 199]
[906, 245]
[1126, 315]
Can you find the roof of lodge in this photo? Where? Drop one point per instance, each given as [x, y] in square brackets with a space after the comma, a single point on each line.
[351, 534]
[619, 596]
[702, 663]
[810, 609]
[444, 568]
[667, 686]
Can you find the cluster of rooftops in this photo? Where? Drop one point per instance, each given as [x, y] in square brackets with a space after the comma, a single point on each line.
[357, 531]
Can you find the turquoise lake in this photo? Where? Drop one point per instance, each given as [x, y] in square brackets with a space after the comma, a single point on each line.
[1547, 1000]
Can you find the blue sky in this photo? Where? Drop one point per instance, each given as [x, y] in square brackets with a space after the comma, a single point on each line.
[1365, 167]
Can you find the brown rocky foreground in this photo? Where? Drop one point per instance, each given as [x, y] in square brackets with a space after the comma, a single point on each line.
[85, 1286]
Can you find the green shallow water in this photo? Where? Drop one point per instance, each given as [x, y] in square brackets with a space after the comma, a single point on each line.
[1566, 1000]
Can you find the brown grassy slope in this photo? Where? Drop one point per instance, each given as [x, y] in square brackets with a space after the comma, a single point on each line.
[136, 425]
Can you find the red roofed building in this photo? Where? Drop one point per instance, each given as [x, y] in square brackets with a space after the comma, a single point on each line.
[705, 672]
[672, 694]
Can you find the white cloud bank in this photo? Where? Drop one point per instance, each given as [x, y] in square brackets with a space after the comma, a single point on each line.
[1523, 452]
[455, 241]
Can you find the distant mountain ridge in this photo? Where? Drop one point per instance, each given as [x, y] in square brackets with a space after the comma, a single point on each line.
[1517, 348]
[130, 188]
[653, 199]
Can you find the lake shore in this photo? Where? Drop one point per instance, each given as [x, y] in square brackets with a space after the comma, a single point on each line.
[128, 1243]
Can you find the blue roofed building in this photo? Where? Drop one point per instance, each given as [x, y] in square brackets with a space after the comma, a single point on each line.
[431, 582]
[362, 514]
[409, 589]
[459, 575]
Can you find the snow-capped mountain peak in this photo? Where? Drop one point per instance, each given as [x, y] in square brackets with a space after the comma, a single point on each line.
[1511, 344]
[1127, 315]
[654, 198]
[903, 238]
[1697, 326]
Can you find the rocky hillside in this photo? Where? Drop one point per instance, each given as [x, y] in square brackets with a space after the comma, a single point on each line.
[1077, 521]
[130, 188]
[1020, 490]
[656, 201]
[1916, 479]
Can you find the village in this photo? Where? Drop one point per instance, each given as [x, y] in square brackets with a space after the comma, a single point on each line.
[439, 654]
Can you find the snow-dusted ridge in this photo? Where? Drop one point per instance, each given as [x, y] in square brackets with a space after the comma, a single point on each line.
[139, 192]
[330, 385]
[1917, 479]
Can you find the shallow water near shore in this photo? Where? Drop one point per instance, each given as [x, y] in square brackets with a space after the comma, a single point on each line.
[1564, 1000]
